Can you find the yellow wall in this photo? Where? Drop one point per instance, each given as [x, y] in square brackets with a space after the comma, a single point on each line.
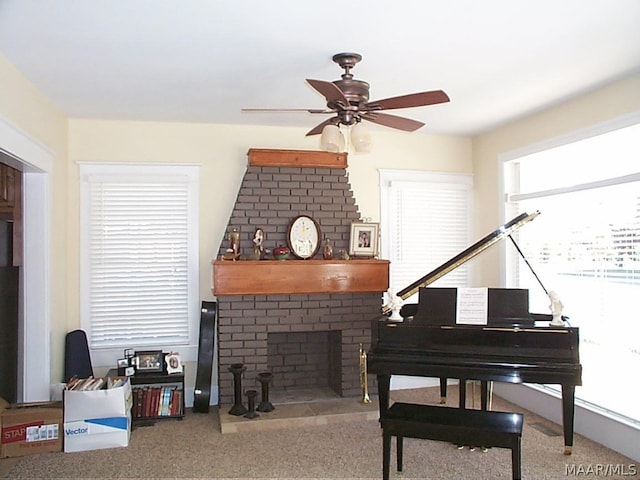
[221, 151]
[605, 104]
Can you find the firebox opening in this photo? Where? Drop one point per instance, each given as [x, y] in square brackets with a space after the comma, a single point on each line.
[305, 362]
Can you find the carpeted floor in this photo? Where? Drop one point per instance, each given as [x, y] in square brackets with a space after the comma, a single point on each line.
[195, 448]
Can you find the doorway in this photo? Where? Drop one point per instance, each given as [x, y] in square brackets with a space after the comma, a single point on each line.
[10, 262]
[9, 294]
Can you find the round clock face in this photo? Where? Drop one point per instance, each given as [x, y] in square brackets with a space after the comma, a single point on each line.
[303, 236]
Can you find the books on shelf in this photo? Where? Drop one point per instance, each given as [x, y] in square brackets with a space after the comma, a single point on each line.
[157, 401]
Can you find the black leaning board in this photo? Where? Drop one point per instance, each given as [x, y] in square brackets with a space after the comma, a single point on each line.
[202, 393]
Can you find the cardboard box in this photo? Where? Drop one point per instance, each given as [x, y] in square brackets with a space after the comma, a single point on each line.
[30, 428]
[97, 419]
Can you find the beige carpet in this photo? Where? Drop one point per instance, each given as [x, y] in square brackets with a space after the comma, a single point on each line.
[195, 448]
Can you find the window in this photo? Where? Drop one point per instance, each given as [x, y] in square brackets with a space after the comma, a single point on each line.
[139, 257]
[585, 245]
[425, 221]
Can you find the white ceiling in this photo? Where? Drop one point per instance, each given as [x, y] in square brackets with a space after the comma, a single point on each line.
[204, 60]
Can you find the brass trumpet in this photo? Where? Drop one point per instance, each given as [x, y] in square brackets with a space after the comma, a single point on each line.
[363, 376]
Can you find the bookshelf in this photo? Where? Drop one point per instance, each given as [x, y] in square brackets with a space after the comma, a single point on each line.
[157, 396]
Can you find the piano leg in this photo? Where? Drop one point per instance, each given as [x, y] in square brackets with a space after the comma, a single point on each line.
[462, 394]
[384, 383]
[486, 394]
[568, 407]
[443, 390]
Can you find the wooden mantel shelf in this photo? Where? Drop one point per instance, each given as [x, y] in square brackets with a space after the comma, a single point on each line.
[272, 277]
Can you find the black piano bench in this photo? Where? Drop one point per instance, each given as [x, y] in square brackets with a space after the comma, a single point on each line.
[459, 426]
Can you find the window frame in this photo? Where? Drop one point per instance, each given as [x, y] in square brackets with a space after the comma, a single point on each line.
[387, 177]
[107, 356]
[509, 256]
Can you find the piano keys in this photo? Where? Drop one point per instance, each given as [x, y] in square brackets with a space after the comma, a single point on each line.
[520, 349]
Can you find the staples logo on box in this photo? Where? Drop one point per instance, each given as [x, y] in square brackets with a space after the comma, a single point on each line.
[17, 433]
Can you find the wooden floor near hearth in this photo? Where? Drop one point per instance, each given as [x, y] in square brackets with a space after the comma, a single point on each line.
[301, 407]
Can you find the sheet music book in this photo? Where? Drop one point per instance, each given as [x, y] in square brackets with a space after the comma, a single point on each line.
[472, 306]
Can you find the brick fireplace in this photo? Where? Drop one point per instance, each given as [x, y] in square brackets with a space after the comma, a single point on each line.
[302, 320]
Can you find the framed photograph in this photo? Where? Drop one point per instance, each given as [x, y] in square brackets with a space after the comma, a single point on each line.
[174, 365]
[150, 361]
[364, 239]
[123, 362]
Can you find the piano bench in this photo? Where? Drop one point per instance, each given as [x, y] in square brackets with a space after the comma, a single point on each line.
[459, 426]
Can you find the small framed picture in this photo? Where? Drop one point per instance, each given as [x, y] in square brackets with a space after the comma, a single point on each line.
[150, 361]
[364, 239]
[123, 362]
[174, 365]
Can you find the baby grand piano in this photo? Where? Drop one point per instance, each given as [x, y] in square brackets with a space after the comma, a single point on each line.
[511, 348]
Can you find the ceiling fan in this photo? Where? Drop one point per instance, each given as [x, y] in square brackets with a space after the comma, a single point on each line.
[348, 100]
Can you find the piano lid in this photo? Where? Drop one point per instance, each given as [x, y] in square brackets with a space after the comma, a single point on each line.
[504, 231]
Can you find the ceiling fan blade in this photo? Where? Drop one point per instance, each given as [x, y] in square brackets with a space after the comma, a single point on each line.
[318, 128]
[308, 110]
[392, 121]
[329, 91]
[407, 101]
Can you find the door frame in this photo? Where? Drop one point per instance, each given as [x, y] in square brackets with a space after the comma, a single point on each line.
[36, 162]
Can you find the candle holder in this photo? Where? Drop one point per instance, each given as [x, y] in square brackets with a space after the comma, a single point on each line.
[237, 369]
[265, 405]
[251, 398]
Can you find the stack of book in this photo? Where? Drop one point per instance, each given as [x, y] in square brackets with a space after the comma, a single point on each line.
[157, 401]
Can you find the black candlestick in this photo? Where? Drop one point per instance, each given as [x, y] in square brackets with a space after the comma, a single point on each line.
[238, 408]
[251, 397]
[265, 405]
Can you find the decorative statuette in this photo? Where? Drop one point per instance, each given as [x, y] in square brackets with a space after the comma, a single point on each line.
[343, 255]
[395, 304]
[556, 310]
[327, 250]
[258, 247]
[233, 252]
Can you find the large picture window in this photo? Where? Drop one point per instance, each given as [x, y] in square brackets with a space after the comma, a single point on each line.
[139, 251]
[585, 245]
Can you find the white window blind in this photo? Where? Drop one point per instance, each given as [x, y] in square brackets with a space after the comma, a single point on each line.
[138, 244]
[425, 223]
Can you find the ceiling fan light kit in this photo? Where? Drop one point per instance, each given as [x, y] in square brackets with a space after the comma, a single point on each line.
[348, 102]
[332, 139]
[361, 138]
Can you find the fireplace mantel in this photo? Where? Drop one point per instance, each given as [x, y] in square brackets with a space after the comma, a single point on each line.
[274, 277]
